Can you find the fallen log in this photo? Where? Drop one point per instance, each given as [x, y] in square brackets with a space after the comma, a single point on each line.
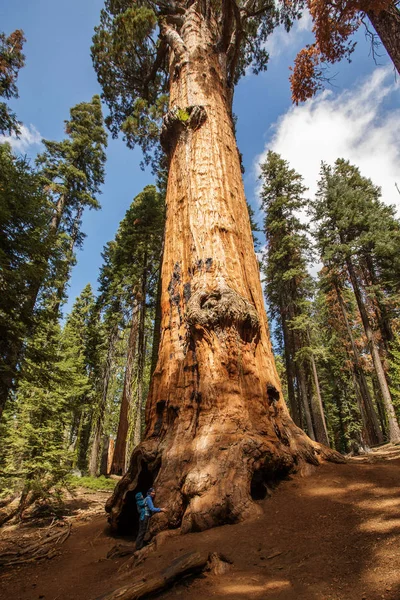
[184, 565]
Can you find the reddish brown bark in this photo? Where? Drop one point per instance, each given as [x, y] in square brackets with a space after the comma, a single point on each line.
[119, 459]
[217, 427]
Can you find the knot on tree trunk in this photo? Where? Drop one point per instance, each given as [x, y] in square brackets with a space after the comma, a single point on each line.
[222, 308]
[177, 120]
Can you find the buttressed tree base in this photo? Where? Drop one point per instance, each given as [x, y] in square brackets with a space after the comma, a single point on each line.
[217, 427]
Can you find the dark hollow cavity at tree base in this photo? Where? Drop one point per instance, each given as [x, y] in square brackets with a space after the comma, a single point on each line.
[264, 472]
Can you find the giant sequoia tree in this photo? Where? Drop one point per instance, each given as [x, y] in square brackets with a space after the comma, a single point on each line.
[217, 427]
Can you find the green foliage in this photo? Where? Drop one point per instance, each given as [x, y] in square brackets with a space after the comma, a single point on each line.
[93, 483]
[132, 49]
[288, 283]
[73, 169]
[394, 372]
[37, 458]
[11, 61]
[25, 212]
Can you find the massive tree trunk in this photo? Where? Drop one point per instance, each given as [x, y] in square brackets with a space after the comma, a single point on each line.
[217, 428]
[387, 25]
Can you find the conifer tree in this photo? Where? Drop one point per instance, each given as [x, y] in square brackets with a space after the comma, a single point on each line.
[24, 215]
[350, 220]
[130, 273]
[289, 287]
[339, 318]
[11, 61]
[335, 367]
[83, 340]
[71, 173]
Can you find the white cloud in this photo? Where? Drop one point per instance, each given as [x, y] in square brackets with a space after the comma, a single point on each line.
[281, 41]
[354, 125]
[29, 137]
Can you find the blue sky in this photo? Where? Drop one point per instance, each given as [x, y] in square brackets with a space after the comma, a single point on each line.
[358, 118]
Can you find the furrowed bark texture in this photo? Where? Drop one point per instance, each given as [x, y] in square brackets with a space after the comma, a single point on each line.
[217, 428]
[387, 25]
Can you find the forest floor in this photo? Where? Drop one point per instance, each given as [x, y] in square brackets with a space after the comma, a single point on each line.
[331, 536]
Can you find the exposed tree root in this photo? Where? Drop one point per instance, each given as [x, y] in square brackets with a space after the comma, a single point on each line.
[46, 547]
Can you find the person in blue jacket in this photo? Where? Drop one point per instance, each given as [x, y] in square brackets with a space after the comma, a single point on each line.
[146, 509]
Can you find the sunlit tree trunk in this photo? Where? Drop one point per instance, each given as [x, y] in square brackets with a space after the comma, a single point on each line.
[321, 431]
[119, 458]
[216, 422]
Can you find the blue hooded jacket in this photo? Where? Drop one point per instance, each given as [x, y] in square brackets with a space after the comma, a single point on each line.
[140, 505]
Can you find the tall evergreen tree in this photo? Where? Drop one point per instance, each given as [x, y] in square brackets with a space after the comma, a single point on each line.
[129, 278]
[24, 215]
[289, 287]
[71, 173]
[340, 314]
[11, 61]
[83, 339]
[350, 221]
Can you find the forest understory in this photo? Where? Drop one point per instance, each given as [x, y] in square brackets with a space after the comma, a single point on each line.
[330, 536]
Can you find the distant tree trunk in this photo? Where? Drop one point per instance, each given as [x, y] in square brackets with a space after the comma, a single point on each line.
[216, 423]
[378, 302]
[387, 25]
[119, 460]
[394, 430]
[372, 432]
[321, 431]
[101, 408]
[380, 406]
[287, 338]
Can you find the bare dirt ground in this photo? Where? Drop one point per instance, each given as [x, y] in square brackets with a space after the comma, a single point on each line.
[331, 536]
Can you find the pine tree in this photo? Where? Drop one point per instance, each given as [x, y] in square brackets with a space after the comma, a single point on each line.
[340, 317]
[71, 173]
[289, 288]
[11, 61]
[82, 343]
[350, 220]
[335, 367]
[24, 215]
[129, 278]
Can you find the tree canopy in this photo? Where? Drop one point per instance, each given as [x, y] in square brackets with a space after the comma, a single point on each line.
[132, 45]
